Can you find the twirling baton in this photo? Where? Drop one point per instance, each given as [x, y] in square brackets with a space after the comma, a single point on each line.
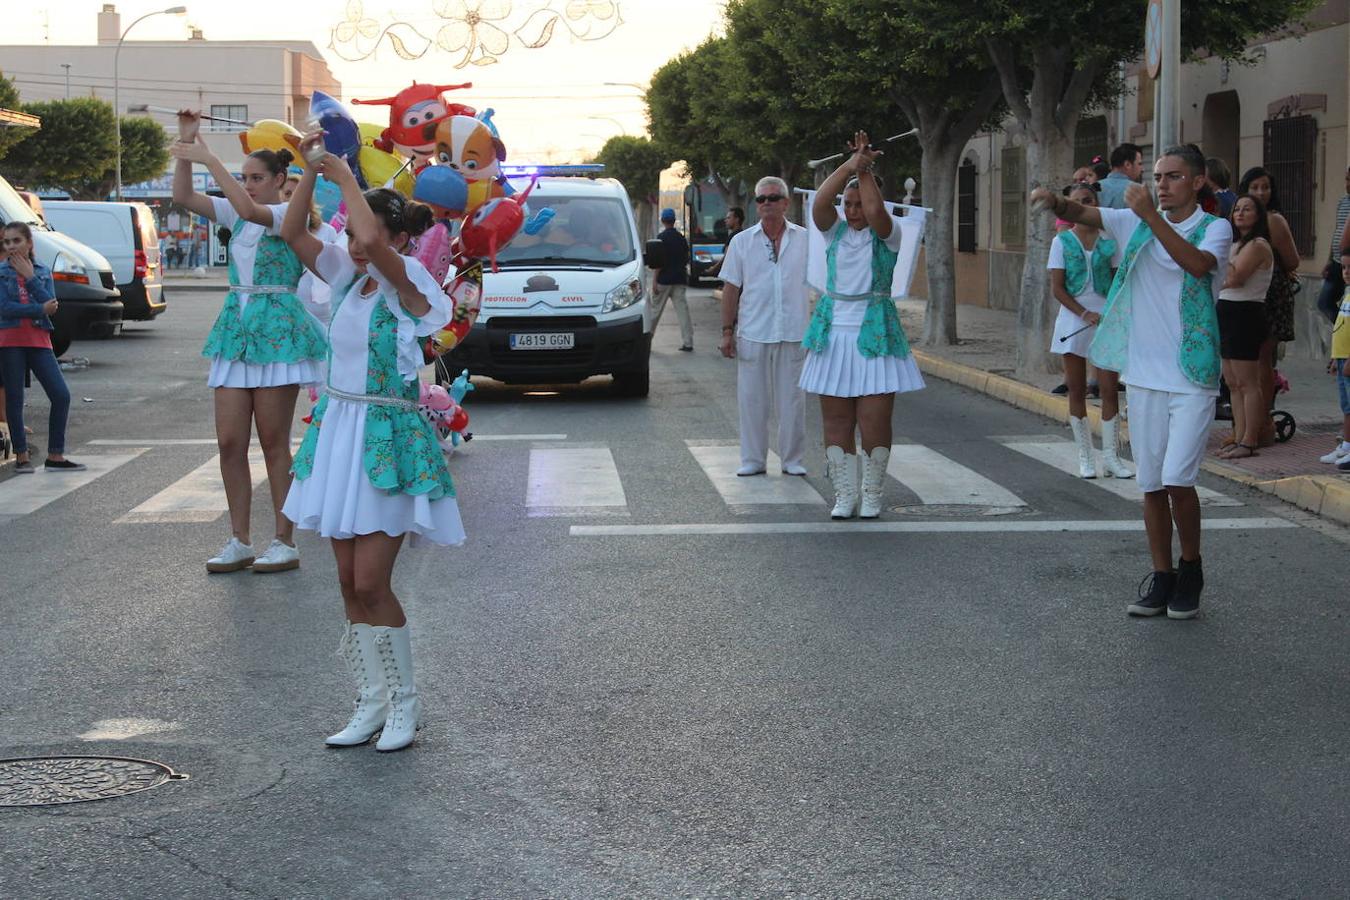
[1079, 331]
[812, 163]
[165, 111]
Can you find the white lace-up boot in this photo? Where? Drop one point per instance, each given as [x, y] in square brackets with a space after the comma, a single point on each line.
[1112, 465]
[394, 648]
[843, 471]
[1082, 436]
[874, 477]
[357, 650]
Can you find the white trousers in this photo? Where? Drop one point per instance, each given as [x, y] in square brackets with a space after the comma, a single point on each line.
[675, 294]
[766, 382]
[1167, 436]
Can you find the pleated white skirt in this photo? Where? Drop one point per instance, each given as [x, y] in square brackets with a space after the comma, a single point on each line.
[840, 370]
[337, 500]
[1066, 323]
[235, 373]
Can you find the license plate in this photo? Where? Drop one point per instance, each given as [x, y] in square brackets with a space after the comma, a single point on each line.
[548, 340]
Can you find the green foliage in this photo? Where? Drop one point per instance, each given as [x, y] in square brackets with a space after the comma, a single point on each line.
[9, 99]
[76, 149]
[637, 162]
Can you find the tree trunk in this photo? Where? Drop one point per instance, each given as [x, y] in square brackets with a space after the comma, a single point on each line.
[1049, 163]
[646, 219]
[938, 181]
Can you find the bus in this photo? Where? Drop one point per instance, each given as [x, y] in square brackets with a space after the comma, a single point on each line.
[700, 215]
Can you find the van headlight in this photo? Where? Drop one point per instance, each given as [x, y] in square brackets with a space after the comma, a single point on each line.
[623, 296]
[68, 268]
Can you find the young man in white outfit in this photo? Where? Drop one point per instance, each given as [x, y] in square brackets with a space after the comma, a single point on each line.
[1172, 381]
[764, 317]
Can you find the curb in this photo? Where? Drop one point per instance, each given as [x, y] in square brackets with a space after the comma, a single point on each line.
[1325, 495]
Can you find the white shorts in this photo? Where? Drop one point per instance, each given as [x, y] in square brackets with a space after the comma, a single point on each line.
[1168, 433]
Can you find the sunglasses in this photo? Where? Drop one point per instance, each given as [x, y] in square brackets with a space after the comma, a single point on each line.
[769, 198]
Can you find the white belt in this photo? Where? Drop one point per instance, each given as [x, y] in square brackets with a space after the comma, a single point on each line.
[261, 289]
[372, 399]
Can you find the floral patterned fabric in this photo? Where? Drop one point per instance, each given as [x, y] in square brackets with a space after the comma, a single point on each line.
[880, 334]
[1075, 263]
[271, 328]
[1199, 353]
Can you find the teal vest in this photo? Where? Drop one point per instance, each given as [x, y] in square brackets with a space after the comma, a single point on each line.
[881, 334]
[1199, 353]
[1076, 267]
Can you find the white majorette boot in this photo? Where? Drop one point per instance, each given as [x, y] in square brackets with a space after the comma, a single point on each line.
[394, 648]
[843, 471]
[874, 477]
[1112, 465]
[357, 650]
[1082, 436]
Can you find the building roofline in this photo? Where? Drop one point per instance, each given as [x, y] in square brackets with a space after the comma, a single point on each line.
[12, 118]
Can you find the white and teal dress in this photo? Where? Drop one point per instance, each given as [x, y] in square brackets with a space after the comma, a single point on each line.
[370, 462]
[856, 345]
[263, 336]
[1087, 278]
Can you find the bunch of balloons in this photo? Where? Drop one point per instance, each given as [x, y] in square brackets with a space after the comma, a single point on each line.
[443, 408]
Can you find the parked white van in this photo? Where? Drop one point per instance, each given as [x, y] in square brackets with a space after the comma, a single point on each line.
[570, 301]
[127, 235]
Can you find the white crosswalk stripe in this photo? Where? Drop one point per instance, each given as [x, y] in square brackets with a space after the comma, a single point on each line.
[198, 496]
[1063, 455]
[571, 481]
[940, 481]
[23, 494]
[719, 462]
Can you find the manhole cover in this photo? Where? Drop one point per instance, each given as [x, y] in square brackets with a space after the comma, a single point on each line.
[52, 780]
[958, 510]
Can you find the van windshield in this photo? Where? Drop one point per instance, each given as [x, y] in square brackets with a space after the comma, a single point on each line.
[12, 207]
[590, 231]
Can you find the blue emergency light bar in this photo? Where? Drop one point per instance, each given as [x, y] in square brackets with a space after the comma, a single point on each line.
[525, 170]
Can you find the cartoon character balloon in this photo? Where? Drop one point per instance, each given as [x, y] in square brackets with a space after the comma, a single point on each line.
[470, 147]
[492, 226]
[341, 134]
[271, 134]
[411, 110]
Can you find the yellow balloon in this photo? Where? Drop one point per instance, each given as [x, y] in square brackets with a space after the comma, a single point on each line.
[370, 132]
[378, 167]
[272, 134]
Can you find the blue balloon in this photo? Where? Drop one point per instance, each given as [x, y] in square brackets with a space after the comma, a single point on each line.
[442, 186]
[341, 136]
[327, 196]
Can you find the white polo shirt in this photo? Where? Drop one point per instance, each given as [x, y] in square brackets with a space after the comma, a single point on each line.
[773, 304]
[1155, 284]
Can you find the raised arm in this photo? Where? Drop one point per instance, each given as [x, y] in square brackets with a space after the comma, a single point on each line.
[1066, 209]
[197, 152]
[189, 121]
[1192, 259]
[365, 227]
[295, 226]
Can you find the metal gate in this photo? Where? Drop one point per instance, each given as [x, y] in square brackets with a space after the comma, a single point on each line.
[965, 208]
[1290, 154]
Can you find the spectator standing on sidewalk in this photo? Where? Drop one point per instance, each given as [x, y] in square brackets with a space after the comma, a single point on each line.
[27, 302]
[1333, 284]
[1218, 178]
[1081, 262]
[764, 313]
[859, 357]
[671, 280]
[734, 221]
[1127, 165]
[1159, 330]
[1242, 324]
[1340, 358]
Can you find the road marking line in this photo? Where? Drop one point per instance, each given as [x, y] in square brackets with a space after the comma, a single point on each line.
[940, 481]
[1063, 455]
[520, 437]
[569, 481]
[889, 527]
[23, 494]
[160, 442]
[719, 462]
[199, 496]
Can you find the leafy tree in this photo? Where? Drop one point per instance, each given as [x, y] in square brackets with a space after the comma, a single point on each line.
[637, 162]
[74, 146]
[145, 155]
[9, 99]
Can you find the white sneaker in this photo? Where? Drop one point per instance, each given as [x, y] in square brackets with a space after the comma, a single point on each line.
[235, 556]
[749, 469]
[279, 557]
[1340, 454]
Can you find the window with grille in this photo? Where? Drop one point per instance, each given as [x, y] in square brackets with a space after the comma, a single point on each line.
[1013, 197]
[230, 111]
[965, 208]
[1289, 155]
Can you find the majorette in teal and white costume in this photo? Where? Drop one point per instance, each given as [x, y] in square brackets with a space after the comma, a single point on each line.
[370, 462]
[1087, 278]
[263, 336]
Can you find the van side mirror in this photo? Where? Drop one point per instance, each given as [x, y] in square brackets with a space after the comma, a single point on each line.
[654, 255]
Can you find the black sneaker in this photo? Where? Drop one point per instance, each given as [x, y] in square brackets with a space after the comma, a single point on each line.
[23, 468]
[1185, 602]
[686, 349]
[1062, 389]
[1154, 600]
[63, 465]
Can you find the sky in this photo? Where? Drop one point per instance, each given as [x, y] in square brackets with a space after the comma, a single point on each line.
[552, 103]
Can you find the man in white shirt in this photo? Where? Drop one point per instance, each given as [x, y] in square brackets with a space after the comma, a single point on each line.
[764, 318]
[1166, 290]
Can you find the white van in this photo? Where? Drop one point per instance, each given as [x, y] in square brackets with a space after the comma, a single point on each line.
[570, 301]
[125, 233]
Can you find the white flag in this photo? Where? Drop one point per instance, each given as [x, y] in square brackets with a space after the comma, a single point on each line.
[911, 225]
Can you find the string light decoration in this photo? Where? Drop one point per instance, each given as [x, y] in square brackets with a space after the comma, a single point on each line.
[478, 32]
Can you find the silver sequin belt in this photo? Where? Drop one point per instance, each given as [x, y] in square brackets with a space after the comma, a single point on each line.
[372, 399]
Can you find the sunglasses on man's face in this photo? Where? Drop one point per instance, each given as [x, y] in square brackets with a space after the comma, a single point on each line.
[769, 198]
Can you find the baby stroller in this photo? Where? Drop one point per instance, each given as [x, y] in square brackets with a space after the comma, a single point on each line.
[1285, 426]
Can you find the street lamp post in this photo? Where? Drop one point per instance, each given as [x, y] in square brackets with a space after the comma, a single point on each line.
[117, 99]
[66, 66]
[622, 129]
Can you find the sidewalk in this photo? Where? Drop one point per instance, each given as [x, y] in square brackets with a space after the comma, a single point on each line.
[209, 278]
[985, 361]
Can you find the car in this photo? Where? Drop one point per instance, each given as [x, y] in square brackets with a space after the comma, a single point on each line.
[570, 301]
[128, 236]
[91, 305]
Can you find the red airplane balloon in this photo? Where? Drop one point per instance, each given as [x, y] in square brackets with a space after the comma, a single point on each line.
[409, 112]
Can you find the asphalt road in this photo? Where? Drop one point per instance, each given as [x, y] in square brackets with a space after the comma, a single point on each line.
[672, 693]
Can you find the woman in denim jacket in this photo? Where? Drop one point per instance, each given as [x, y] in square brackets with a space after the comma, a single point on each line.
[27, 300]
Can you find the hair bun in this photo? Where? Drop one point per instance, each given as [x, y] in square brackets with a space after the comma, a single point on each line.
[417, 218]
[285, 157]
